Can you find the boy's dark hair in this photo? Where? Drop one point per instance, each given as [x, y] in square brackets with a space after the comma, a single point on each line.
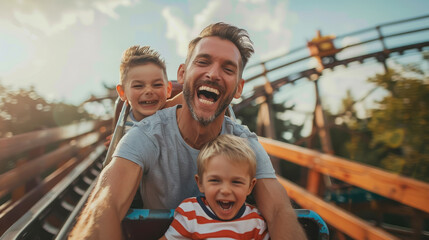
[236, 35]
[137, 55]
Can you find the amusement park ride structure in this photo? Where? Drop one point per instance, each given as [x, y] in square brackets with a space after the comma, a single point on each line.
[41, 203]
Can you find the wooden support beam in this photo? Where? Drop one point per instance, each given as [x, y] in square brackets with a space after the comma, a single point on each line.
[16, 210]
[19, 208]
[313, 182]
[26, 141]
[29, 170]
[402, 189]
[335, 216]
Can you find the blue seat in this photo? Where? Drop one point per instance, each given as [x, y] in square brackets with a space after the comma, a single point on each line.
[151, 224]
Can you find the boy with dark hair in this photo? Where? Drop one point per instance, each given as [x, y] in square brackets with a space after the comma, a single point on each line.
[143, 81]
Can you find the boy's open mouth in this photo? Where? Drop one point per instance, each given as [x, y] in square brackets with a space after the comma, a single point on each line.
[148, 102]
[207, 94]
[225, 205]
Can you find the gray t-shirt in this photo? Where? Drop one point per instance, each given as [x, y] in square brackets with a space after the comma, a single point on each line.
[169, 163]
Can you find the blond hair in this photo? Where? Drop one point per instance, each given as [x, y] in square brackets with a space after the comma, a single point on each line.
[239, 37]
[235, 149]
[137, 55]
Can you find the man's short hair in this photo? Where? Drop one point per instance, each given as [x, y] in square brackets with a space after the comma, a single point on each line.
[235, 149]
[137, 55]
[239, 37]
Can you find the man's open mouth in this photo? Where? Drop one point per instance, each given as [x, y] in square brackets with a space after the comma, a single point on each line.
[207, 94]
[225, 205]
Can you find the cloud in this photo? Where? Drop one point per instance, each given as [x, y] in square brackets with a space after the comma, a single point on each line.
[214, 10]
[177, 30]
[252, 1]
[108, 7]
[39, 21]
[264, 22]
[49, 17]
[352, 51]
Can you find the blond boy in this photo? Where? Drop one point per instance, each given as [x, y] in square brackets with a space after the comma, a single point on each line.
[226, 175]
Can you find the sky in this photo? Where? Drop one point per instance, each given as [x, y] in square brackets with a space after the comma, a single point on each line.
[69, 49]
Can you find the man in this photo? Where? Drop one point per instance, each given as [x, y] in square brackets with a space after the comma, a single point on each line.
[160, 152]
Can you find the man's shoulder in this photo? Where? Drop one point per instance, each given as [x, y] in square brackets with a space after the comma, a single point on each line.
[237, 129]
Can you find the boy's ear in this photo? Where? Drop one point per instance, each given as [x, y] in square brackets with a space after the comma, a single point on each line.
[169, 89]
[121, 92]
[200, 186]
[239, 88]
[252, 185]
[181, 73]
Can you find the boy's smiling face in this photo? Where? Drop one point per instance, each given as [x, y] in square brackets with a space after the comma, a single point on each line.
[226, 185]
[146, 89]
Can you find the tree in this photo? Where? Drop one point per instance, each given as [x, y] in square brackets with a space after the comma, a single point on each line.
[25, 110]
[398, 129]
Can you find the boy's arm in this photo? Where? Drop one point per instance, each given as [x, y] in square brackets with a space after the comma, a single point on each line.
[274, 205]
[109, 201]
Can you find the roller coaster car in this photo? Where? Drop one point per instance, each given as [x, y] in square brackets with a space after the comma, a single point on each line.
[151, 224]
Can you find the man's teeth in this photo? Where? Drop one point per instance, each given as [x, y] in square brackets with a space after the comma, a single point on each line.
[209, 89]
[205, 101]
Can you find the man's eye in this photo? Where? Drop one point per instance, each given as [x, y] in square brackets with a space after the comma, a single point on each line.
[158, 85]
[201, 62]
[229, 70]
[237, 182]
[213, 180]
[137, 86]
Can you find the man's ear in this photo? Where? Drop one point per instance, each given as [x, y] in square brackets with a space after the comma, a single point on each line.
[252, 184]
[169, 89]
[200, 186]
[239, 88]
[121, 92]
[181, 73]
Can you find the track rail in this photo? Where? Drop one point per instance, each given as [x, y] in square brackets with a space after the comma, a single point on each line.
[47, 217]
[301, 56]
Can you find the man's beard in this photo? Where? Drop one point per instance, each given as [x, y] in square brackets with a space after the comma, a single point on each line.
[189, 96]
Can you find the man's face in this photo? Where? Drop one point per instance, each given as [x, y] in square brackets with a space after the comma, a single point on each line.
[211, 78]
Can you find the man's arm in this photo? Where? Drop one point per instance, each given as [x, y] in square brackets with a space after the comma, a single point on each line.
[109, 201]
[274, 205]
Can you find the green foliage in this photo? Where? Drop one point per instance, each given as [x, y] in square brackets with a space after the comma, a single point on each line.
[25, 110]
[396, 135]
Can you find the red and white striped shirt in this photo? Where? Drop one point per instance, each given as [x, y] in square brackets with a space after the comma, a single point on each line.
[193, 219]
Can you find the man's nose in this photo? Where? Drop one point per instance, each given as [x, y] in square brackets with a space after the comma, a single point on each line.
[214, 72]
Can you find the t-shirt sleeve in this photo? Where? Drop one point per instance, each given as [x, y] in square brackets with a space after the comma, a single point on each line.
[137, 146]
[264, 168]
